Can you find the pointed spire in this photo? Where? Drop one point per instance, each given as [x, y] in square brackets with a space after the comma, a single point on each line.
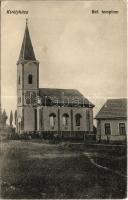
[26, 52]
[26, 21]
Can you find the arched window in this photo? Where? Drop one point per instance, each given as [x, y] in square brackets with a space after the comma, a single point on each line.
[65, 119]
[52, 118]
[29, 79]
[78, 119]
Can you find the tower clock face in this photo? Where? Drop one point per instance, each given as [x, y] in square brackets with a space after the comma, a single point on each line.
[30, 97]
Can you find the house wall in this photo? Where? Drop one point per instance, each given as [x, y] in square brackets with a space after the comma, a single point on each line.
[114, 123]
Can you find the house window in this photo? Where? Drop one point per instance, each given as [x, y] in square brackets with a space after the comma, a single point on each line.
[107, 129]
[78, 119]
[52, 118]
[65, 119]
[122, 130]
[29, 79]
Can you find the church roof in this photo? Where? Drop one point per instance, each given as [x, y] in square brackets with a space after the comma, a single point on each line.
[113, 109]
[63, 97]
[26, 52]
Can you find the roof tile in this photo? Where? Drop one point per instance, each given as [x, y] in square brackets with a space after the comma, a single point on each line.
[63, 97]
[113, 108]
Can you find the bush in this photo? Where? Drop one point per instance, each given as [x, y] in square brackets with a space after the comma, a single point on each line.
[13, 136]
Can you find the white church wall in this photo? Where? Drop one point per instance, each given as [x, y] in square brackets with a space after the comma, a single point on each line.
[59, 112]
[29, 119]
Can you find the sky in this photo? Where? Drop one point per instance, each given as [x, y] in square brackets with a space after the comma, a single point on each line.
[76, 49]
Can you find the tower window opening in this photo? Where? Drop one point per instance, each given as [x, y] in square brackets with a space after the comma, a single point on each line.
[30, 79]
[19, 80]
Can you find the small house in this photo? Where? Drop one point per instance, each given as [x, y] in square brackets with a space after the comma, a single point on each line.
[112, 121]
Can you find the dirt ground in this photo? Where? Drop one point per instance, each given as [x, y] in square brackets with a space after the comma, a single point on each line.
[37, 169]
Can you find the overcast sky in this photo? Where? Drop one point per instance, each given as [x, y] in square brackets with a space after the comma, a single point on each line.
[75, 48]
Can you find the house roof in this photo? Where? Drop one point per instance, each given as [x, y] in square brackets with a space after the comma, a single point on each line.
[26, 52]
[113, 108]
[63, 97]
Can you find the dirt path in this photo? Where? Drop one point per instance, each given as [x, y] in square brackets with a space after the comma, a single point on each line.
[90, 155]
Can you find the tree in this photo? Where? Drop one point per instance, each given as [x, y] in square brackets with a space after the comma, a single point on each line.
[4, 117]
[15, 116]
[11, 118]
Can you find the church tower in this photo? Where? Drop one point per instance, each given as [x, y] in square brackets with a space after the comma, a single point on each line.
[27, 86]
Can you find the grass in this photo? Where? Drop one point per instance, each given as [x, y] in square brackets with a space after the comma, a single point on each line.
[31, 169]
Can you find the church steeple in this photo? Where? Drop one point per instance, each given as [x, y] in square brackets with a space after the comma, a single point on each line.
[26, 52]
[27, 86]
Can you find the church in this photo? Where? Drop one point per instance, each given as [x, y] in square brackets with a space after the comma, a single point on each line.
[48, 110]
